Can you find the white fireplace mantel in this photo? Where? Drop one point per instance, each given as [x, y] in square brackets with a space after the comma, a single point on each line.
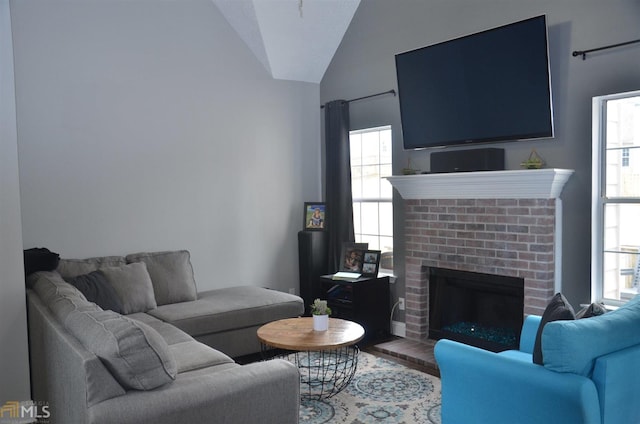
[515, 184]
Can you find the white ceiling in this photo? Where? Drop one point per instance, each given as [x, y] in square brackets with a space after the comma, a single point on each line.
[293, 39]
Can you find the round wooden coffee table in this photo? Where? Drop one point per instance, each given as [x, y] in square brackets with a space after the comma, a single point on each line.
[327, 359]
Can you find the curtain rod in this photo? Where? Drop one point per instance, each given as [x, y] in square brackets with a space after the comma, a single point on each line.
[366, 97]
[583, 53]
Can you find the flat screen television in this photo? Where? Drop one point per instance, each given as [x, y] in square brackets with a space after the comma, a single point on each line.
[491, 86]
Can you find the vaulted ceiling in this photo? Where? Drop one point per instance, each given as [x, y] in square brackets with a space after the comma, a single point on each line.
[293, 39]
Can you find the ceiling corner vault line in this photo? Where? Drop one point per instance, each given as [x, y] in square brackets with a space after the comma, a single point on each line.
[293, 39]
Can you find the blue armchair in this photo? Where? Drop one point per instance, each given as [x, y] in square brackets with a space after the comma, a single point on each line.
[591, 374]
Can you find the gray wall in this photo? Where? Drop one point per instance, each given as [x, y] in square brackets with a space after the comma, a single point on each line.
[14, 357]
[149, 125]
[364, 64]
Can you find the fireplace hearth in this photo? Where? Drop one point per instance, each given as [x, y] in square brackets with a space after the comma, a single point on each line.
[483, 310]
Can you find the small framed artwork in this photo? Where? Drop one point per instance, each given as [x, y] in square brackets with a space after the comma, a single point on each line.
[314, 216]
[352, 256]
[371, 263]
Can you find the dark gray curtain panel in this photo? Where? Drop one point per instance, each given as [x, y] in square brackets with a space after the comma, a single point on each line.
[339, 213]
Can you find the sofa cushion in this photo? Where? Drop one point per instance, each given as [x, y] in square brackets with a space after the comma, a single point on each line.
[73, 267]
[170, 333]
[557, 309]
[133, 286]
[573, 346]
[192, 355]
[188, 353]
[171, 274]
[96, 288]
[60, 297]
[50, 284]
[136, 355]
[230, 308]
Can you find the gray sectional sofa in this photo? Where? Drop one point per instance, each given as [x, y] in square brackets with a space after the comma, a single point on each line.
[158, 351]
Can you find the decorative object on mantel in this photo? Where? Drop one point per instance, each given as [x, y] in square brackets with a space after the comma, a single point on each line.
[320, 312]
[409, 170]
[534, 161]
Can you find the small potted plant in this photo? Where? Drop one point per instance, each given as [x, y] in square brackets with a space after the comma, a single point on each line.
[320, 312]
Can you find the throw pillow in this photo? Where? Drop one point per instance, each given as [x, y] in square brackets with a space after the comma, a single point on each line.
[133, 286]
[96, 288]
[171, 274]
[592, 310]
[136, 354]
[558, 309]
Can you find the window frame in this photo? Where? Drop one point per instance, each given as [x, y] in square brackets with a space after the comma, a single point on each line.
[368, 199]
[599, 199]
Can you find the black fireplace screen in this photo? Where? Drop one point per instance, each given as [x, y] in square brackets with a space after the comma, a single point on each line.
[482, 310]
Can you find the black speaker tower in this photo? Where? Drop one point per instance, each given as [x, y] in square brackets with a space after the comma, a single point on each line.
[313, 249]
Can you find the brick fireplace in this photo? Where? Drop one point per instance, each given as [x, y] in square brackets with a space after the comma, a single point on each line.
[506, 223]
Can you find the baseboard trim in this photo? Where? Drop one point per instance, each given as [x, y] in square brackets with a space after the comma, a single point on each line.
[398, 328]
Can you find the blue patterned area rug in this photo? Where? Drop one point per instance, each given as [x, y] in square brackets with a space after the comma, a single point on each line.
[381, 391]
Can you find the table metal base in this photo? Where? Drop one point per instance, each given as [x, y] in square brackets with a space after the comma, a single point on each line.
[324, 373]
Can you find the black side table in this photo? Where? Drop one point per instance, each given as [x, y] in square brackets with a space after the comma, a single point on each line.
[365, 301]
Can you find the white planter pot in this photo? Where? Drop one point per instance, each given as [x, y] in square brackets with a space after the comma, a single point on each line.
[321, 322]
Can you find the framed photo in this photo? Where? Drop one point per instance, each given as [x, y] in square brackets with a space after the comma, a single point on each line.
[352, 256]
[314, 216]
[371, 263]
